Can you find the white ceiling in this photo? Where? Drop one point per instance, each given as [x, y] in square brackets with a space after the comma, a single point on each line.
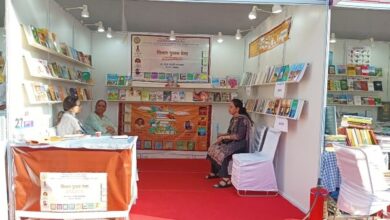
[152, 16]
[360, 23]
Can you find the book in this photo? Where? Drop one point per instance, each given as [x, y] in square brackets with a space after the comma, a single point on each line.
[225, 97]
[216, 97]
[222, 82]
[73, 92]
[293, 108]
[286, 72]
[153, 96]
[341, 69]
[370, 86]
[233, 81]
[122, 80]
[160, 96]
[364, 85]
[200, 96]
[112, 79]
[167, 95]
[378, 72]
[351, 71]
[357, 100]
[182, 96]
[378, 86]
[332, 69]
[300, 69]
[215, 82]
[112, 94]
[357, 86]
[280, 74]
[371, 70]
[145, 95]
[122, 94]
[343, 84]
[175, 96]
[190, 76]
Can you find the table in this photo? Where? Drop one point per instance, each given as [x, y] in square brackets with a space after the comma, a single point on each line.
[116, 157]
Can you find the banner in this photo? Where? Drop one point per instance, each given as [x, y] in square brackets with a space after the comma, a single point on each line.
[73, 192]
[271, 39]
[171, 127]
[157, 59]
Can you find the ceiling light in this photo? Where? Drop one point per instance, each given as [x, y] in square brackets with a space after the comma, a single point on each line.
[332, 38]
[238, 34]
[172, 36]
[220, 39]
[84, 12]
[100, 26]
[276, 9]
[109, 32]
[253, 14]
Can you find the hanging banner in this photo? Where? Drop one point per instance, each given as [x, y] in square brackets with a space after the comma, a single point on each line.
[155, 58]
[171, 127]
[271, 39]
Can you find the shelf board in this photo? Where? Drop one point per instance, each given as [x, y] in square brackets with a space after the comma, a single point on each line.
[55, 102]
[185, 102]
[275, 116]
[51, 51]
[357, 76]
[63, 80]
[347, 105]
[357, 91]
[171, 88]
[270, 84]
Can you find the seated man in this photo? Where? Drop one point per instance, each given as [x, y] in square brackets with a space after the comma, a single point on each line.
[97, 121]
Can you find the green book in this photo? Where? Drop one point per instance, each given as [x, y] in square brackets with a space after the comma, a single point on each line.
[122, 81]
[294, 107]
[286, 71]
[181, 145]
[344, 84]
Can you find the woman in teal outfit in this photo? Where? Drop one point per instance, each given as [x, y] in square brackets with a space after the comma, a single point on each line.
[97, 121]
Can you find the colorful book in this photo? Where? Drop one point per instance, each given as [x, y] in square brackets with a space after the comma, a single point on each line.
[332, 70]
[112, 94]
[145, 95]
[341, 69]
[112, 79]
[122, 80]
[167, 96]
[378, 86]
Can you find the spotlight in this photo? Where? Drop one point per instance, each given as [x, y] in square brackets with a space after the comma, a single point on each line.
[84, 10]
[220, 39]
[100, 26]
[109, 32]
[172, 36]
[276, 9]
[238, 34]
[332, 38]
[253, 14]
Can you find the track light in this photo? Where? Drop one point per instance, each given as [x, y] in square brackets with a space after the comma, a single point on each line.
[172, 36]
[253, 14]
[238, 34]
[276, 8]
[100, 27]
[332, 38]
[109, 32]
[220, 39]
[84, 12]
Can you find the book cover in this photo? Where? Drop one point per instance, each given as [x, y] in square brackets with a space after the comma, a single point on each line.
[222, 82]
[154, 76]
[370, 86]
[175, 96]
[121, 80]
[161, 77]
[378, 72]
[358, 70]
[158, 145]
[181, 145]
[357, 86]
[190, 76]
[280, 74]
[80, 93]
[73, 92]
[147, 75]
[371, 101]
[215, 81]
[233, 81]
[329, 98]
[286, 72]
[344, 84]
[300, 71]
[145, 95]
[168, 145]
[112, 94]
[167, 95]
[52, 95]
[204, 77]
[337, 85]
[34, 33]
[191, 145]
[341, 69]
[275, 73]
[351, 71]
[112, 79]
[197, 76]
[378, 86]
[225, 97]
[364, 70]
[371, 70]
[122, 94]
[378, 101]
[147, 145]
[293, 108]
[183, 77]
[43, 34]
[357, 100]
[217, 97]
[349, 99]
[160, 96]
[364, 85]
[182, 96]
[350, 84]
[200, 96]
[87, 94]
[64, 49]
[153, 96]
[332, 69]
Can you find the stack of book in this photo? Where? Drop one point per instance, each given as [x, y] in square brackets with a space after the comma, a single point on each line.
[355, 70]
[44, 37]
[290, 108]
[348, 99]
[358, 130]
[330, 140]
[39, 92]
[354, 85]
[273, 74]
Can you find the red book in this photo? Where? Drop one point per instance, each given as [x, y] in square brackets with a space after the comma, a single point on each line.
[365, 71]
[371, 101]
[364, 85]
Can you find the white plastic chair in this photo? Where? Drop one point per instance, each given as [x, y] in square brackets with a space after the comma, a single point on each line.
[254, 172]
[363, 189]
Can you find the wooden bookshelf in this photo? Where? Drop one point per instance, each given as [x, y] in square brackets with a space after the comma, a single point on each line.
[357, 76]
[349, 105]
[50, 51]
[354, 91]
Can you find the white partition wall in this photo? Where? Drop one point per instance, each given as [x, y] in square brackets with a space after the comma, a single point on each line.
[298, 154]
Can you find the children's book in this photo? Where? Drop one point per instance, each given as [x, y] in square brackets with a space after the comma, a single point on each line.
[233, 81]
[112, 94]
[225, 97]
[112, 79]
[332, 69]
[190, 76]
[217, 97]
[215, 81]
[341, 69]
[122, 94]
[122, 80]
[293, 108]
[182, 96]
[145, 95]
[175, 96]
[153, 96]
[160, 96]
[167, 95]
[286, 72]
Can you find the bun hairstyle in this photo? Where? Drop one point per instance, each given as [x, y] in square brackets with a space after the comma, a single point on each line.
[242, 110]
[70, 102]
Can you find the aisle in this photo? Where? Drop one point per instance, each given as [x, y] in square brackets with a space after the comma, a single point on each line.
[176, 189]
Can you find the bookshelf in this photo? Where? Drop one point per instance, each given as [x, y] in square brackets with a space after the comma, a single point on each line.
[63, 80]
[354, 91]
[50, 51]
[348, 105]
[57, 102]
[352, 77]
[275, 116]
[171, 88]
[178, 102]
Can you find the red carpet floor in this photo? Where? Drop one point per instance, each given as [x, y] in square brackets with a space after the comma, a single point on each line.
[176, 189]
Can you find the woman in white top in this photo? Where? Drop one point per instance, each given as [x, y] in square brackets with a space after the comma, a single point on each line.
[68, 123]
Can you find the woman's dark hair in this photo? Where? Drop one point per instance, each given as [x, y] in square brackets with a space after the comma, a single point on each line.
[101, 100]
[242, 110]
[70, 102]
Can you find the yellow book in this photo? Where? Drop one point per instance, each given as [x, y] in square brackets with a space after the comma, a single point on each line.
[359, 137]
[351, 137]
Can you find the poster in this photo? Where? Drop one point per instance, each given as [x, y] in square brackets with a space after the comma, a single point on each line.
[359, 55]
[155, 58]
[73, 192]
[271, 39]
[171, 127]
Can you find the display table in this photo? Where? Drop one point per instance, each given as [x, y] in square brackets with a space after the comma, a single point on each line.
[114, 158]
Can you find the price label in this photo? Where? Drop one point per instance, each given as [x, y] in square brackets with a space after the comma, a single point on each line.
[281, 124]
[280, 90]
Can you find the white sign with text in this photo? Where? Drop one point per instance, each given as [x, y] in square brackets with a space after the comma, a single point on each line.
[280, 90]
[73, 192]
[281, 124]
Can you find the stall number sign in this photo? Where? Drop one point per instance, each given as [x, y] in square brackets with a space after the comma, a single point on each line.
[280, 90]
[281, 124]
[73, 192]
